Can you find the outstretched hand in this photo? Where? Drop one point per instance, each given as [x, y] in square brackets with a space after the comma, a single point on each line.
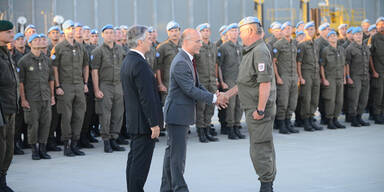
[222, 100]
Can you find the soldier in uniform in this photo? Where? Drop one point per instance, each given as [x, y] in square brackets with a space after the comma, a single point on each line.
[124, 40]
[284, 64]
[166, 51]
[377, 68]
[94, 37]
[257, 91]
[332, 70]
[106, 62]
[150, 56]
[275, 29]
[229, 58]
[70, 65]
[349, 38]
[308, 70]
[365, 25]
[54, 36]
[342, 34]
[8, 102]
[28, 31]
[206, 69]
[222, 36]
[78, 35]
[36, 91]
[357, 61]
[86, 35]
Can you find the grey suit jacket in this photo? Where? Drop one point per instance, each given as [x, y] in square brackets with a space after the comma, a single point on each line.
[183, 92]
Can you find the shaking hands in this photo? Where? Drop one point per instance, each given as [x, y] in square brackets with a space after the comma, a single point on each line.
[222, 100]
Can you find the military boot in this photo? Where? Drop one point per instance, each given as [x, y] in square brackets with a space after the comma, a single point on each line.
[35, 152]
[236, 129]
[266, 187]
[75, 148]
[338, 124]
[3, 183]
[289, 126]
[361, 121]
[43, 151]
[17, 150]
[67, 150]
[331, 124]
[107, 147]
[355, 122]
[208, 136]
[314, 124]
[115, 146]
[281, 126]
[231, 133]
[307, 125]
[201, 135]
[378, 119]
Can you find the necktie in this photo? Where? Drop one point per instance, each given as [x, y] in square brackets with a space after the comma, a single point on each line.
[194, 68]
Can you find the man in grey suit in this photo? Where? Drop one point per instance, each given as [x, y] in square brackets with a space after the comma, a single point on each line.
[180, 110]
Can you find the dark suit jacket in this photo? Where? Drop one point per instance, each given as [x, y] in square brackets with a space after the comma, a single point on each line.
[180, 104]
[141, 99]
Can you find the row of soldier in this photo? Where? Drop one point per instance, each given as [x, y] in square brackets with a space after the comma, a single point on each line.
[82, 87]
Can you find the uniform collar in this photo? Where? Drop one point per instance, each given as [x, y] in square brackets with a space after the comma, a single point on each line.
[256, 43]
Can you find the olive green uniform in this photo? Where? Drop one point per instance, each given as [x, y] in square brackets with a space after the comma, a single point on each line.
[377, 51]
[110, 108]
[270, 41]
[307, 55]
[166, 51]
[36, 73]
[285, 52]
[333, 61]
[229, 58]
[256, 67]
[321, 43]
[206, 69]
[70, 62]
[150, 56]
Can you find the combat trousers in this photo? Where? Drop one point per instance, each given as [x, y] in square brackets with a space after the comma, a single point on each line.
[234, 112]
[38, 117]
[358, 94]
[287, 94]
[333, 97]
[205, 111]
[378, 94]
[6, 142]
[309, 94]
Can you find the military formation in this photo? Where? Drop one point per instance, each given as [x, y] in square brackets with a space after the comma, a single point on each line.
[64, 88]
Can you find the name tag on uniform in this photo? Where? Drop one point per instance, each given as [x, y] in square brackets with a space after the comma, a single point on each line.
[261, 66]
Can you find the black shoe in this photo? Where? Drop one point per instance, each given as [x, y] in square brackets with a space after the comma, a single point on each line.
[212, 131]
[348, 118]
[17, 149]
[231, 134]
[115, 146]
[52, 146]
[331, 124]
[224, 129]
[107, 147]
[323, 121]
[266, 187]
[92, 139]
[289, 126]
[67, 150]
[75, 149]
[299, 123]
[208, 135]
[282, 127]
[201, 135]
[96, 131]
[378, 120]
[314, 125]
[307, 125]
[355, 122]
[43, 151]
[85, 143]
[361, 121]
[35, 152]
[275, 124]
[236, 129]
[338, 124]
[122, 141]
[3, 183]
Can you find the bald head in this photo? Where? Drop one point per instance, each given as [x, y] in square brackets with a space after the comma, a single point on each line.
[191, 41]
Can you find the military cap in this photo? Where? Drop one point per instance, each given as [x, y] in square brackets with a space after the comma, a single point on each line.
[151, 29]
[30, 26]
[85, 27]
[248, 20]
[342, 26]
[379, 19]
[34, 36]
[323, 26]
[42, 35]
[350, 29]
[299, 33]
[203, 26]
[331, 33]
[357, 30]
[68, 23]
[18, 35]
[275, 25]
[5, 25]
[108, 26]
[94, 31]
[299, 23]
[53, 28]
[172, 25]
[372, 27]
[124, 27]
[77, 24]
[309, 24]
[222, 28]
[284, 25]
[365, 21]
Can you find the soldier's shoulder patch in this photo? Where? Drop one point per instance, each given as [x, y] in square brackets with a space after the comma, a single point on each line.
[157, 54]
[261, 66]
[53, 57]
[274, 50]
[298, 50]
[91, 57]
[219, 54]
[17, 69]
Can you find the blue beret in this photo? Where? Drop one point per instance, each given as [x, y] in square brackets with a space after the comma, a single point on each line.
[53, 28]
[342, 25]
[299, 23]
[284, 25]
[275, 25]
[203, 26]
[330, 33]
[109, 26]
[323, 26]
[222, 28]
[30, 26]
[42, 35]
[357, 30]
[172, 25]
[124, 27]
[229, 27]
[61, 32]
[85, 27]
[151, 29]
[299, 33]
[18, 35]
[365, 21]
[94, 31]
[309, 24]
[5, 25]
[372, 27]
[379, 19]
[350, 29]
[249, 20]
[116, 28]
[68, 23]
[32, 37]
[77, 24]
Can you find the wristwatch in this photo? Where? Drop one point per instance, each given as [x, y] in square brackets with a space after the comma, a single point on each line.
[260, 112]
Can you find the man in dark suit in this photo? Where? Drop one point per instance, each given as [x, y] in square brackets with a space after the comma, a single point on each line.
[180, 110]
[143, 110]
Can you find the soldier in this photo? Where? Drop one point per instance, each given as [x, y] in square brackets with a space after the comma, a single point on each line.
[300, 26]
[229, 57]
[308, 70]
[118, 36]
[78, 34]
[332, 70]
[54, 36]
[372, 30]
[365, 25]
[206, 69]
[36, 91]
[70, 66]
[124, 40]
[106, 62]
[166, 51]
[377, 68]
[349, 38]
[342, 34]
[300, 36]
[284, 65]
[28, 31]
[62, 36]
[8, 101]
[357, 61]
[275, 29]
[222, 36]
[257, 91]
[86, 34]
[150, 56]
[94, 37]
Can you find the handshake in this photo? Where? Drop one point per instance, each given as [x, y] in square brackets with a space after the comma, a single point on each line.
[222, 100]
